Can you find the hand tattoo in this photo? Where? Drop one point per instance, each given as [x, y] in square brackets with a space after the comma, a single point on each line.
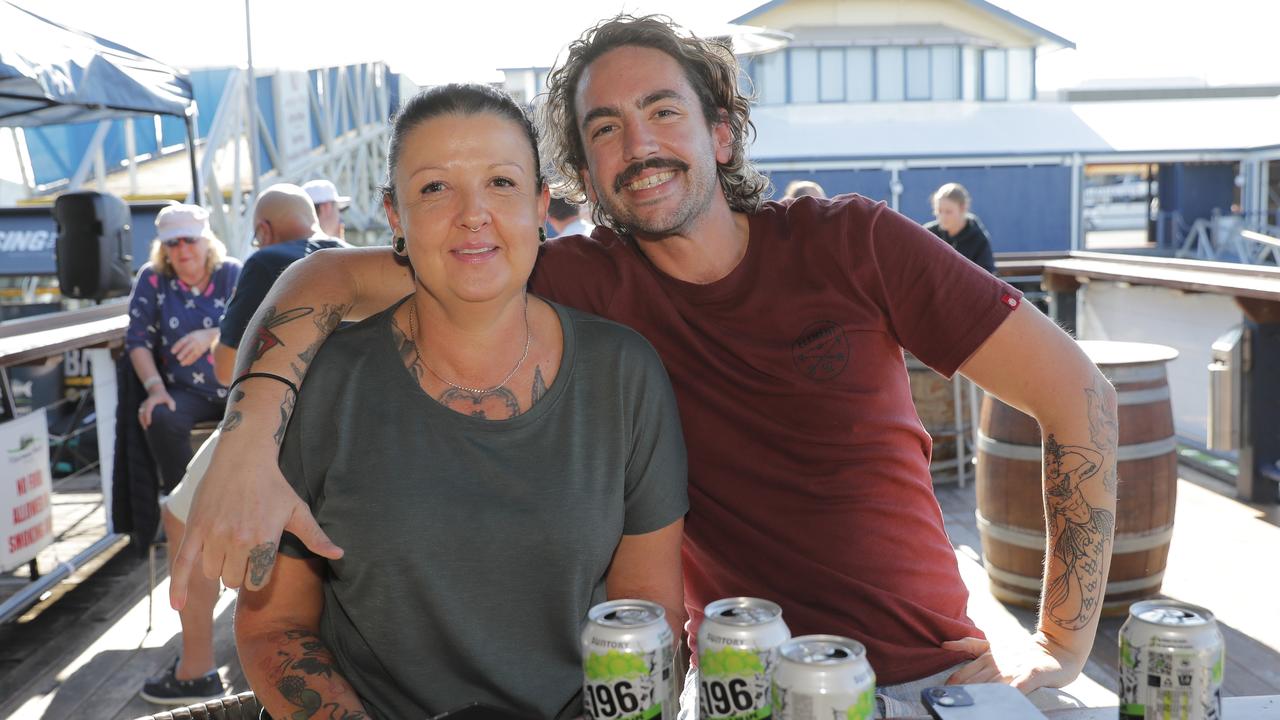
[261, 558]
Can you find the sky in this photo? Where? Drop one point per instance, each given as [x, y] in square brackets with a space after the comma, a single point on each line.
[1219, 42]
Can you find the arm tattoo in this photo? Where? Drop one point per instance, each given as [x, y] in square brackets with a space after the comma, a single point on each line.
[286, 410]
[264, 340]
[261, 558]
[234, 418]
[1104, 430]
[499, 404]
[1082, 533]
[327, 320]
[539, 386]
[302, 657]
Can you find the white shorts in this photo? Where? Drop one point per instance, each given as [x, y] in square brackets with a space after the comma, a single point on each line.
[179, 501]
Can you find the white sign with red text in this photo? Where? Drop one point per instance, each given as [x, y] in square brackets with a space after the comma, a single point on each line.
[26, 518]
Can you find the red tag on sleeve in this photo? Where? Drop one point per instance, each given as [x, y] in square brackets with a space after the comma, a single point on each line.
[1009, 300]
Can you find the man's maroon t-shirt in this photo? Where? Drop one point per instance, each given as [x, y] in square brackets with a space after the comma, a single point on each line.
[808, 467]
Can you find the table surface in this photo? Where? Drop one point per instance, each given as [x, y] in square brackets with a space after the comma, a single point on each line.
[1260, 707]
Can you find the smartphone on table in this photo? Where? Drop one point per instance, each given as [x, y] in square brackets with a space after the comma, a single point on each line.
[984, 701]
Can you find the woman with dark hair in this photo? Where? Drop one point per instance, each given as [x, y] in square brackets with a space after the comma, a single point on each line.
[493, 464]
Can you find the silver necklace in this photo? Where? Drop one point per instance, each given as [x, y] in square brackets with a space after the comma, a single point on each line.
[528, 342]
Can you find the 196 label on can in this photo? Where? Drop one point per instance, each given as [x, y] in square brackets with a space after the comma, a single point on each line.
[628, 663]
[738, 645]
[1171, 660]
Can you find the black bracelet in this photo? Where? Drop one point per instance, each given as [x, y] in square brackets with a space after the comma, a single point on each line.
[273, 376]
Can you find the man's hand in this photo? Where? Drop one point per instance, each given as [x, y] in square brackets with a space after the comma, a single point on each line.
[194, 345]
[1043, 663]
[239, 512]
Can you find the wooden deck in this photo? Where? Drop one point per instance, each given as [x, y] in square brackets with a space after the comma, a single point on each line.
[84, 652]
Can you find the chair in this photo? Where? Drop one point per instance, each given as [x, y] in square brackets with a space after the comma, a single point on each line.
[244, 706]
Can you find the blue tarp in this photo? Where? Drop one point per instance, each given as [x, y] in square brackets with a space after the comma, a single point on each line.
[53, 74]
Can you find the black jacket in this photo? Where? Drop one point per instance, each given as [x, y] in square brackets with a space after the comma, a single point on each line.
[971, 242]
[135, 483]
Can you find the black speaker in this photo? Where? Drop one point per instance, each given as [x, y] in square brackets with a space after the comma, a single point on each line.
[95, 245]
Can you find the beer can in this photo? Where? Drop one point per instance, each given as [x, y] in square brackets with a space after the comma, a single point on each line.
[824, 677]
[737, 651]
[1171, 658]
[628, 663]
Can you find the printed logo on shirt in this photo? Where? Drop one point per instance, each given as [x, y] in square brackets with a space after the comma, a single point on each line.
[822, 350]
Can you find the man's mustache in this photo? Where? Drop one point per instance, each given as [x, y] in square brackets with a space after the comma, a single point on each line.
[633, 171]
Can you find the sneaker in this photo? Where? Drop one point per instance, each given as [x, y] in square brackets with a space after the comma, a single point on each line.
[166, 689]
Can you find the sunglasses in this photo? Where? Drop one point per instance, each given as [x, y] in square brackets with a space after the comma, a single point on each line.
[173, 242]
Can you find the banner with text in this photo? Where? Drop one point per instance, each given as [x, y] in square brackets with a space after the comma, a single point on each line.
[26, 518]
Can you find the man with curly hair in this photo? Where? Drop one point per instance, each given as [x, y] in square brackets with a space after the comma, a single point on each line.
[782, 326]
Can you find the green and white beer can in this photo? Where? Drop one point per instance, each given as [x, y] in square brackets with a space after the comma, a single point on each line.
[1171, 658]
[738, 645]
[824, 677]
[628, 663]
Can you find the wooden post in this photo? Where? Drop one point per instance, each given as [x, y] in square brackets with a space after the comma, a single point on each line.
[1062, 299]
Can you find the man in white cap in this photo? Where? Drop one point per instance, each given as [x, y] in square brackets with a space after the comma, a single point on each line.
[329, 205]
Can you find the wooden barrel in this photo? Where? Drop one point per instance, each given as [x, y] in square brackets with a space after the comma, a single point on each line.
[944, 407]
[1011, 511]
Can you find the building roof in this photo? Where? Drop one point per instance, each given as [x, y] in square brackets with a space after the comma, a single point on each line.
[982, 5]
[870, 131]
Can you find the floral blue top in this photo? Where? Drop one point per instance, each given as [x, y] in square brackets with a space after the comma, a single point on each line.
[163, 310]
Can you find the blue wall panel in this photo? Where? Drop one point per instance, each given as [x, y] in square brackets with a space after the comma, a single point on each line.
[1024, 208]
[871, 183]
[1194, 191]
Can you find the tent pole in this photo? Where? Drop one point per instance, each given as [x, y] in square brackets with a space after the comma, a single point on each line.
[251, 88]
[191, 157]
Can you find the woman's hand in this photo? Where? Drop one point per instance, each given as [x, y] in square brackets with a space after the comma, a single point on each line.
[1043, 663]
[194, 345]
[159, 395]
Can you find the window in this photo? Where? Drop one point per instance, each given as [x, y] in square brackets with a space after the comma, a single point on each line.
[918, 73]
[993, 75]
[859, 81]
[945, 73]
[831, 64]
[804, 75]
[770, 76]
[970, 65]
[1021, 74]
[890, 82]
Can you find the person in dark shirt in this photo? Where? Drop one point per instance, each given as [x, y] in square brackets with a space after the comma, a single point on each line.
[285, 229]
[960, 228]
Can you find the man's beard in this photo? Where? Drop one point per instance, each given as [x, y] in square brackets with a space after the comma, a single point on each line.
[702, 185]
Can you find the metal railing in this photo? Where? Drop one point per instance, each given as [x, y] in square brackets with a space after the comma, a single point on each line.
[1225, 238]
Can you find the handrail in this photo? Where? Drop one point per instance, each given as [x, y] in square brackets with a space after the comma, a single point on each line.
[53, 334]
